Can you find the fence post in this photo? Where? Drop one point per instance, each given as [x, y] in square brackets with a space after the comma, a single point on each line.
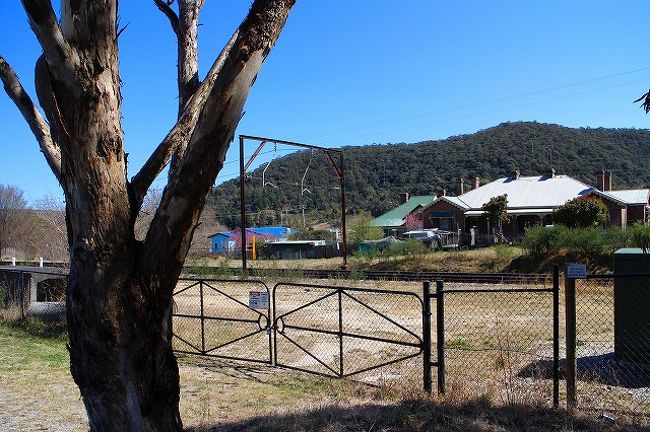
[440, 333]
[202, 318]
[426, 336]
[556, 336]
[570, 311]
[341, 370]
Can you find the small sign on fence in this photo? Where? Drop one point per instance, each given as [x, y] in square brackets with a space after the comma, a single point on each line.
[576, 271]
[258, 300]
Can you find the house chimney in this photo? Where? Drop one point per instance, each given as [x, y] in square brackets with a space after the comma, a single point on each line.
[516, 174]
[477, 182]
[403, 197]
[600, 184]
[444, 192]
[552, 172]
[462, 186]
[607, 180]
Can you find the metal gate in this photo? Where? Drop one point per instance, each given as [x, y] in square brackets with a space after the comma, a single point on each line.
[222, 318]
[481, 337]
[342, 331]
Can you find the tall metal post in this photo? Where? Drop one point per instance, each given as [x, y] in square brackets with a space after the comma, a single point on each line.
[570, 310]
[426, 336]
[242, 203]
[343, 210]
[556, 336]
[440, 334]
[202, 318]
[341, 370]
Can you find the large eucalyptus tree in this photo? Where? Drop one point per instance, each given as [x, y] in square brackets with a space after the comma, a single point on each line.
[120, 289]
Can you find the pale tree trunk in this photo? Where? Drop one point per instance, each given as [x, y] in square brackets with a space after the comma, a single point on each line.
[120, 289]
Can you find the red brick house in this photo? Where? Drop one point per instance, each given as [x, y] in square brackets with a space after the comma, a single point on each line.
[531, 201]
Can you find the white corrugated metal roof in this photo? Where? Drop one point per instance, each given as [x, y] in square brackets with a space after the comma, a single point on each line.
[631, 196]
[519, 212]
[456, 201]
[538, 191]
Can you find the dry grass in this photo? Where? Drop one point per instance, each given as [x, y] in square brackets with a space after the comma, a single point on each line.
[37, 393]
[423, 415]
[492, 259]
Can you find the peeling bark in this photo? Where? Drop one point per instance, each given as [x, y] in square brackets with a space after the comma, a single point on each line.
[120, 290]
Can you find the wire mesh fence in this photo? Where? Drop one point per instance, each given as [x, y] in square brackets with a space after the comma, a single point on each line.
[613, 345]
[499, 342]
[502, 340]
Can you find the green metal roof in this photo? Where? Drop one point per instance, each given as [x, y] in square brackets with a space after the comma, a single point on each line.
[395, 217]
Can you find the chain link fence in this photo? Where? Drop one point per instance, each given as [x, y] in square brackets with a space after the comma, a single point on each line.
[502, 340]
[613, 345]
[499, 342]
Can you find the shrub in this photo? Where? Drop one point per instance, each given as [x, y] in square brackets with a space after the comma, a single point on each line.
[496, 210]
[581, 213]
[540, 240]
[639, 236]
[591, 244]
[409, 247]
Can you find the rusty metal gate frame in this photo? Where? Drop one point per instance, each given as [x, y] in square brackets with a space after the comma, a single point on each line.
[340, 292]
[263, 319]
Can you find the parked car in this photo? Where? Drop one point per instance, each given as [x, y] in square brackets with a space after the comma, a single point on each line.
[433, 238]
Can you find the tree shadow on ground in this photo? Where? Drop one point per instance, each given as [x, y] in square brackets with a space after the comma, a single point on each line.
[604, 369]
[424, 415]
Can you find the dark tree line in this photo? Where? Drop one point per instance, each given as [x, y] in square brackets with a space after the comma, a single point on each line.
[377, 174]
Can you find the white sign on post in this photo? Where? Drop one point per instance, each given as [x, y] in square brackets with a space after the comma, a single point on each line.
[576, 271]
[258, 300]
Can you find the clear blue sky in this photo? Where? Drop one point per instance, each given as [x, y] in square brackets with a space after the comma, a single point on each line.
[355, 72]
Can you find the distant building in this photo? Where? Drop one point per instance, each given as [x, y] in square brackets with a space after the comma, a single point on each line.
[531, 201]
[393, 222]
[230, 241]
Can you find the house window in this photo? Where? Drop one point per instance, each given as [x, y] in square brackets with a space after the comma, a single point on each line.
[443, 220]
[445, 224]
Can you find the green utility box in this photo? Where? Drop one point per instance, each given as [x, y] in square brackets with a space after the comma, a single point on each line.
[632, 306]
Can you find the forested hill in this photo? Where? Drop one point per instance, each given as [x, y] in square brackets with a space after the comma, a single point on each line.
[377, 174]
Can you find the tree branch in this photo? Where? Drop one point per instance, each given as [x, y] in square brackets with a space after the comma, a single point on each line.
[62, 58]
[185, 26]
[645, 102]
[187, 190]
[36, 122]
[181, 131]
[165, 7]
